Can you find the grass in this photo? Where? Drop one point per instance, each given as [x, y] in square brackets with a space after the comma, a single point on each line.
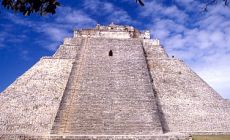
[213, 137]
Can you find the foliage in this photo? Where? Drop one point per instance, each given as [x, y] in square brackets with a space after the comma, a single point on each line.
[141, 2]
[26, 7]
[214, 2]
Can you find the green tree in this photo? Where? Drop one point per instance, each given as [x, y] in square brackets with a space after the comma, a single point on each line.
[26, 7]
[141, 2]
[214, 2]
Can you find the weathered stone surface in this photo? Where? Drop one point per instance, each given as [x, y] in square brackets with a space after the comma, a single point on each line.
[94, 137]
[112, 82]
[112, 95]
[188, 103]
[30, 104]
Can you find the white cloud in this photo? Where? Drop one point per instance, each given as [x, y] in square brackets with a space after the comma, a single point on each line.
[217, 76]
[55, 33]
[68, 15]
[7, 38]
[60, 27]
[108, 11]
[98, 7]
[205, 45]
[156, 9]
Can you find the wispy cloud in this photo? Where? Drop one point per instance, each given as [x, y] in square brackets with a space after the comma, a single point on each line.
[109, 11]
[6, 36]
[68, 15]
[203, 42]
[2, 38]
[54, 31]
[156, 9]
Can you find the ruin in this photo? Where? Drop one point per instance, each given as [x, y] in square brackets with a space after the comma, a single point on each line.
[111, 82]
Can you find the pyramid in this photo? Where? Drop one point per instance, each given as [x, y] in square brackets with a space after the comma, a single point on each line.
[111, 82]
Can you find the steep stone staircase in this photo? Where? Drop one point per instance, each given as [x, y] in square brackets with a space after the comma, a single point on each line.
[63, 120]
[108, 95]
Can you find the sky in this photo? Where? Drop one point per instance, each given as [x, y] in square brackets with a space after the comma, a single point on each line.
[201, 39]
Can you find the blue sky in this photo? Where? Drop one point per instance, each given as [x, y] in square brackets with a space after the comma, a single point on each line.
[201, 39]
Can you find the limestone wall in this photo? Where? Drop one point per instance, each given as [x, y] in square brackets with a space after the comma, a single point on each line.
[77, 41]
[66, 52]
[29, 105]
[153, 51]
[188, 103]
[109, 95]
[105, 34]
[112, 31]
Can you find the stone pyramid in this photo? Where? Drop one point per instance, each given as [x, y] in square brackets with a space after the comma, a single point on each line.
[111, 82]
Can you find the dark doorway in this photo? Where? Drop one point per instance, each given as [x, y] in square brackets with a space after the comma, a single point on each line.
[110, 53]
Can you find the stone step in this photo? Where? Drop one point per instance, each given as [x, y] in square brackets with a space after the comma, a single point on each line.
[99, 101]
[93, 137]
